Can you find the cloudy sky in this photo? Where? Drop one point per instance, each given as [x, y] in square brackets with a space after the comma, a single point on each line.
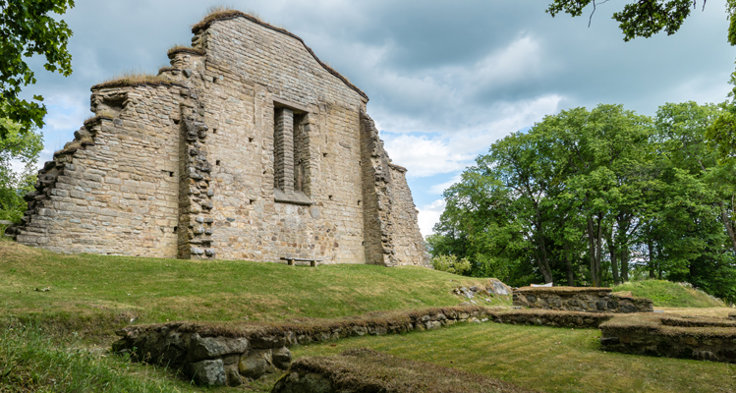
[445, 78]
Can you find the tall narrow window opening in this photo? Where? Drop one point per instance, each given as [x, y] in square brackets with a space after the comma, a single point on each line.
[291, 155]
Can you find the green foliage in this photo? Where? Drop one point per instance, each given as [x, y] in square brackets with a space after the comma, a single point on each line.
[669, 294]
[451, 264]
[23, 150]
[586, 197]
[642, 18]
[28, 29]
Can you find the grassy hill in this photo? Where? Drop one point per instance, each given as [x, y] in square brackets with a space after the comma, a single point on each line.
[59, 312]
[35, 283]
[670, 294]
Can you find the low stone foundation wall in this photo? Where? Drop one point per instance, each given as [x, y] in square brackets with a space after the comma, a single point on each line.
[587, 299]
[660, 335]
[219, 354]
[363, 370]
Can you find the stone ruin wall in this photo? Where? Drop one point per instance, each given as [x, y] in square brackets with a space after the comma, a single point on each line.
[114, 189]
[183, 165]
[408, 241]
[586, 299]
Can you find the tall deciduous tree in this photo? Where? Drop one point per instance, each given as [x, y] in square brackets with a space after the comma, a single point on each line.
[28, 29]
[587, 197]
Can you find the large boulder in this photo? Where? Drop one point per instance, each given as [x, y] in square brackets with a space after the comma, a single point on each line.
[497, 287]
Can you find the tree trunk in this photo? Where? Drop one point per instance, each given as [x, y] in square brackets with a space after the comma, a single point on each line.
[544, 265]
[624, 261]
[727, 223]
[612, 253]
[546, 274]
[599, 252]
[650, 248]
[724, 217]
[568, 265]
[592, 253]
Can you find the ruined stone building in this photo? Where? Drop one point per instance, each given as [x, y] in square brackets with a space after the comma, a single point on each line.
[246, 147]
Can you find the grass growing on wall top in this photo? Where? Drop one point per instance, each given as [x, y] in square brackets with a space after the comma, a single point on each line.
[546, 359]
[39, 282]
[669, 294]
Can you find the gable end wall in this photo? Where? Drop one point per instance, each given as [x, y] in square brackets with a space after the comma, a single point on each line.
[185, 168]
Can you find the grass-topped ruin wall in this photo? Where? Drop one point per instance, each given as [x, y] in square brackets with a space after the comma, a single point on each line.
[585, 299]
[679, 337]
[224, 353]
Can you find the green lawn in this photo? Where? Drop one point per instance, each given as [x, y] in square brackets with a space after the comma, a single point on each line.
[669, 294]
[71, 288]
[63, 310]
[545, 359]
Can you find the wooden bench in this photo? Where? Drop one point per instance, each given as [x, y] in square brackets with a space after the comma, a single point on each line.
[291, 260]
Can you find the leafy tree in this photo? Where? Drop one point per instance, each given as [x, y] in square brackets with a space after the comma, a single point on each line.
[27, 29]
[23, 149]
[645, 18]
[586, 197]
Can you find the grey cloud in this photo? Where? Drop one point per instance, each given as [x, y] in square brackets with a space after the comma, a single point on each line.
[415, 59]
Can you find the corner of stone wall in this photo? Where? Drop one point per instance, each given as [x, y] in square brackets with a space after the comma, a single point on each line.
[391, 231]
[32, 229]
[107, 101]
[195, 192]
[376, 176]
[408, 242]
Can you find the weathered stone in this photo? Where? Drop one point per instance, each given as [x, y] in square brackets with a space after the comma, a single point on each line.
[281, 358]
[303, 383]
[579, 299]
[654, 334]
[232, 375]
[209, 372]
[497, 287]
[255, 364]
[159, 156]
[212, 347]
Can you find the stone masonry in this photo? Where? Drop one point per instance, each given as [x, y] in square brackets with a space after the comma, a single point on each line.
[587, 299]
[246, 147]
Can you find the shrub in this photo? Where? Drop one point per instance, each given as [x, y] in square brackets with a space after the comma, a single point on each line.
[451, 264]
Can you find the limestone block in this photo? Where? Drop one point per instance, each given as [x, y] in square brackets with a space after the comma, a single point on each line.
[209, 372]
[256, 363]
[211, 347]
[281, 358]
